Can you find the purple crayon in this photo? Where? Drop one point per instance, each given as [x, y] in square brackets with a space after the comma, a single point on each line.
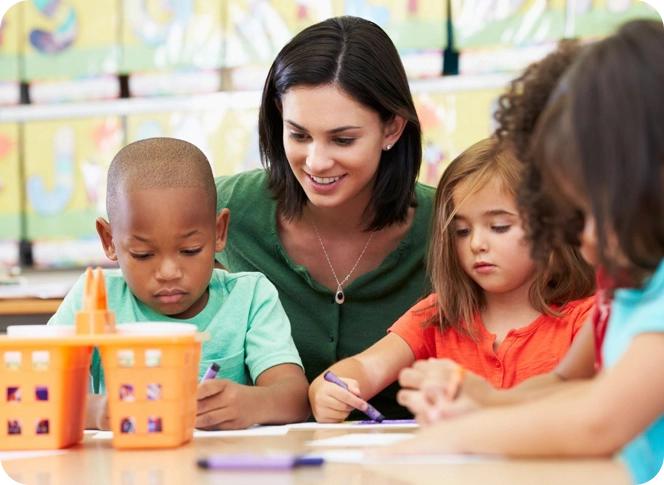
[211, 373]
[250, 461]
[371, 411]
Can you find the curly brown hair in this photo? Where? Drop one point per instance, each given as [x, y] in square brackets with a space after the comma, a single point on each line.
[519, 109]
[599, 141]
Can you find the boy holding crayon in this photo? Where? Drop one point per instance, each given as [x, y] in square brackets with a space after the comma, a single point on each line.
[163, 230]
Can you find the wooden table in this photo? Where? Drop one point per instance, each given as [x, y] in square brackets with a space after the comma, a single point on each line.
[96, 462]
[29, 306]
[26, 311]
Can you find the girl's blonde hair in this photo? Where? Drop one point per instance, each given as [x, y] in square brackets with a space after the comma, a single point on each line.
[565, 277]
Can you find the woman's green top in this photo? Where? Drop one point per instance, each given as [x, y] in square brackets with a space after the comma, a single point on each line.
[325, 332]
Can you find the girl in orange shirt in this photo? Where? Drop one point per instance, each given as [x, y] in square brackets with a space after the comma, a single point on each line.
[494, 309]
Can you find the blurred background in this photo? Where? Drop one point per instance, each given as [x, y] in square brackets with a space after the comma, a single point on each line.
[79, 79]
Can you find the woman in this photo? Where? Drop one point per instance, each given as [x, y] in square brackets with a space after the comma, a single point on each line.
[336, 220]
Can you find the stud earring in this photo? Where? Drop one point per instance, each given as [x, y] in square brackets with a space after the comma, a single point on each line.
[387, 147]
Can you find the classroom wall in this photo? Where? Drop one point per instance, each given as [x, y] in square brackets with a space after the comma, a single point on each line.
[194, 69]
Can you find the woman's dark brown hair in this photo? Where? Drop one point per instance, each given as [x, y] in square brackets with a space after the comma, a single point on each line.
[358, 57]
[603, 134]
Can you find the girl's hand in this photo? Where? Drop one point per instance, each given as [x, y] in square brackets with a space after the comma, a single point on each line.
[426, 388]
[224, 404]
[331, 403]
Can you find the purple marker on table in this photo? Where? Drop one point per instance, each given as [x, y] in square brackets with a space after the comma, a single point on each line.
[371, 411]
[211, 373]
[250, 461]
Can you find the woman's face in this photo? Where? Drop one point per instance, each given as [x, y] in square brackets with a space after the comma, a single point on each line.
[333, 145]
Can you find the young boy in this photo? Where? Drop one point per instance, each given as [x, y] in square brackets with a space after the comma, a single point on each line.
[163, 230]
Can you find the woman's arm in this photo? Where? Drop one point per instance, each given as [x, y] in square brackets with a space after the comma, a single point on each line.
[366, 374]
[593, 418]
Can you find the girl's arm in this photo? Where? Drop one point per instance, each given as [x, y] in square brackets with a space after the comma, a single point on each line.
[424, 383]
[366, 374]
[594, 418]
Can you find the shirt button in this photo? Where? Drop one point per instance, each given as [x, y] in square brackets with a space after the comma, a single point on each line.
[331, 299]
[330, 338]
[497, 364]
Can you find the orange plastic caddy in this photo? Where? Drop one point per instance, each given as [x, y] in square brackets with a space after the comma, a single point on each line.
[151, 382]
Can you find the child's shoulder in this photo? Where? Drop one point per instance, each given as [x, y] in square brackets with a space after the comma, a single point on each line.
[240, 281]
[113, 275]
[113, 279]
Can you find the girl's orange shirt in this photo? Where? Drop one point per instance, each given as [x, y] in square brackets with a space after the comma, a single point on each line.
[525, 352]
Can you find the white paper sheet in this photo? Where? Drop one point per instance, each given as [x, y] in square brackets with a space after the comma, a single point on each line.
[253, 431]
[361, 439]
[17, 455]
[354, 425]
[358, 456]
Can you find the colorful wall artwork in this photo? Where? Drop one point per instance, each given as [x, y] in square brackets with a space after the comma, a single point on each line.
[65, 185]
[171, 34]
[10, 41]
[10, 194]
[451, 122]
[70, 39]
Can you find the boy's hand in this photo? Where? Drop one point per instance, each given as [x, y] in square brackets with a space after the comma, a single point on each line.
[97, 412]
[424, 391]
[224, 404]
[331, 403]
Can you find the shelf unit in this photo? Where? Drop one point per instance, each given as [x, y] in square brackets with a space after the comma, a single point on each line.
[220, 100]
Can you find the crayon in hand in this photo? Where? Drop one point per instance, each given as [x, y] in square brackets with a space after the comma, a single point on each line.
[371, 411]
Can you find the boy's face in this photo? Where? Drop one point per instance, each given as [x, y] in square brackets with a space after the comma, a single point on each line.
[164, 241]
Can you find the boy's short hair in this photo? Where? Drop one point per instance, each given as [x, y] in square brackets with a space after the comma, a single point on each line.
[159, 163]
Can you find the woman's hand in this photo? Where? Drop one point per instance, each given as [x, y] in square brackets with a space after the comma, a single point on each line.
[331, 403]
[426, 394]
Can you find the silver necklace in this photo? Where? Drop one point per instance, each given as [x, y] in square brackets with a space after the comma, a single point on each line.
[339, 295]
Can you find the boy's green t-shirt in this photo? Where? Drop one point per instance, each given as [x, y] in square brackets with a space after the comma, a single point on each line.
[249, 330]
[325, 332]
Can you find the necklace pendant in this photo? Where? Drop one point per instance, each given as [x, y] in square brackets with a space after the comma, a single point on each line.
[339, 296]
